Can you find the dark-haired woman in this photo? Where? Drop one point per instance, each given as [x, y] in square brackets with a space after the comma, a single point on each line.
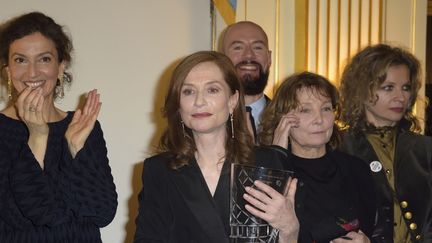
[55, 181]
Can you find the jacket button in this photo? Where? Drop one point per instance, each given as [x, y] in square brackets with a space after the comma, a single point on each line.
[301, 183]
[418, 237]
[413, 226]
[404, 204]
[408, 215]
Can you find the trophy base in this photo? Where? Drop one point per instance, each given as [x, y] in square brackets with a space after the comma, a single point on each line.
[252, 234]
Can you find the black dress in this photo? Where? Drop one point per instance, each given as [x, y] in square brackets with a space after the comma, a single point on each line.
[67, 201]
[335, 194]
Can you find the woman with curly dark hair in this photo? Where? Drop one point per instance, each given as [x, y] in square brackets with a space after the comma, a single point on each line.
[335, 196]
[379, 88]
[55, 180]
[185, 195]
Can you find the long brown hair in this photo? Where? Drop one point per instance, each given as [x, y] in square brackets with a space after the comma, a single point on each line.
[365, 73]
[178, 141]
[286, 100]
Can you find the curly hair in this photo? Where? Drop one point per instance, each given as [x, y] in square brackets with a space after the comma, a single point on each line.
[364, 74]
[178, 141]
[286, 100]
[30, 23]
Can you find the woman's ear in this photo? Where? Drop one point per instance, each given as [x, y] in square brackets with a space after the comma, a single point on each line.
[233, 101]
[6, 68]
[62, 68]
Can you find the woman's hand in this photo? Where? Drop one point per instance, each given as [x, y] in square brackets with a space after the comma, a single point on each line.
[275, 208]
[82, 123]
[282, 131]
[353, 237]
[29, 107]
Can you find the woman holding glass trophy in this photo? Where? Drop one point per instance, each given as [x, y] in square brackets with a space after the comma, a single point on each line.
[186, 187]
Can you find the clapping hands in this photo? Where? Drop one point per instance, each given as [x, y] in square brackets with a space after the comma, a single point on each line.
[83, 122]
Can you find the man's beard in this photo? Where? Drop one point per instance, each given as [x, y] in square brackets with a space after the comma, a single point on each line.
[254, 85]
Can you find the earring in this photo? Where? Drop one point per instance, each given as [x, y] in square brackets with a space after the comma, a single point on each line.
[232, 125]
[61, 85]
[9, 86]
[183, 127]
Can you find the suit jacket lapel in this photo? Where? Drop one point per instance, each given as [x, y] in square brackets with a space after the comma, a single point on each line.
[364, 150]
[192, 187]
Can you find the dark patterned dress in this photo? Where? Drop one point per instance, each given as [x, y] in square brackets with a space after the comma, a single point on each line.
[67, 201]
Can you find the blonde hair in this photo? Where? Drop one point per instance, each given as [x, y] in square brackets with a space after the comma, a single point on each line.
[363, 75]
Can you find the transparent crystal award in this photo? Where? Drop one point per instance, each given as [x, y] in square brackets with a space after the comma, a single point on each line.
[244, 226]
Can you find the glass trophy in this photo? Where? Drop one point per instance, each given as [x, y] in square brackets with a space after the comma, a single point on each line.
[246, 228]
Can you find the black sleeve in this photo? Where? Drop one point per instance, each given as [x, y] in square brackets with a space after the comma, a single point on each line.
[155, 214]
[428, 226]
[89, 185]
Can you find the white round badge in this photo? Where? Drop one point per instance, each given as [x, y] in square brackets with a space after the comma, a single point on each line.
[375, 166]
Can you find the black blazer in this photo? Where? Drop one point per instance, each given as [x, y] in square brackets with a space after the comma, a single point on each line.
[413, 182]
[176, 206]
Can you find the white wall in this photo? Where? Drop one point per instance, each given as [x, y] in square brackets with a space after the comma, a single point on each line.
[126, 50]
[406, 26]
